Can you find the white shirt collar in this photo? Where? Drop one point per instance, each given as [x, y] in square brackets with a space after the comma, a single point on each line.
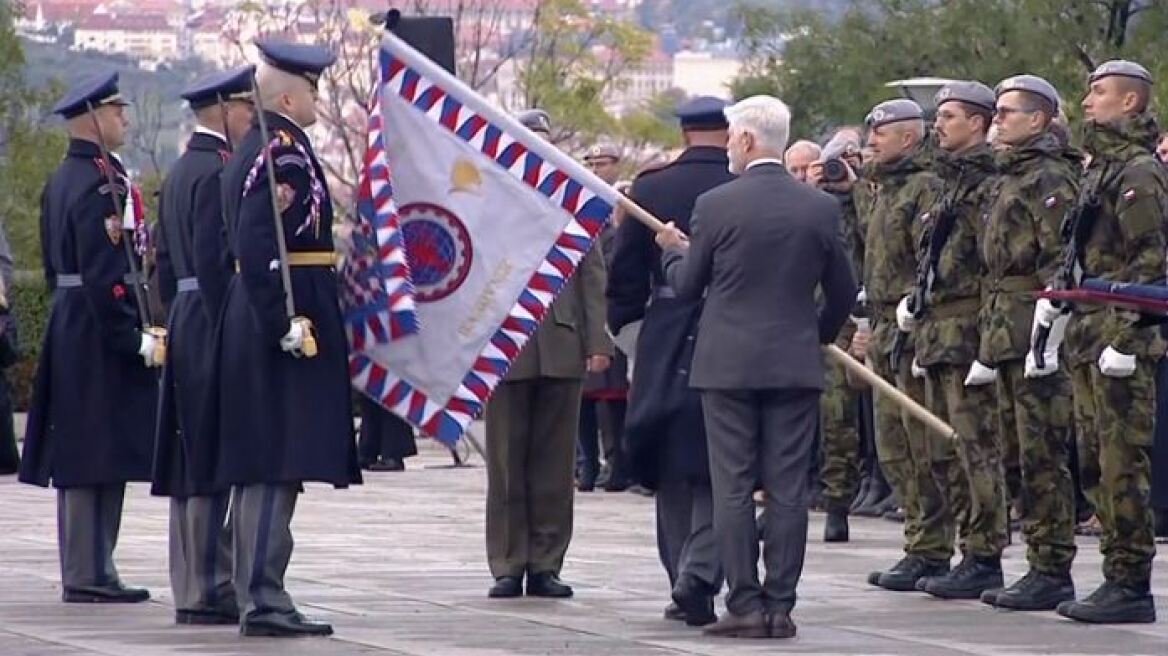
[205, 130]
[764, 160]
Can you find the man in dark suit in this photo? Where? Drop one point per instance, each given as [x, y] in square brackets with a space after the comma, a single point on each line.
[665, 439]
[761, 246]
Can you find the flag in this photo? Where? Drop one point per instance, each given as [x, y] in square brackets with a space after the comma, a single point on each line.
[493, 220]
[1143, 298]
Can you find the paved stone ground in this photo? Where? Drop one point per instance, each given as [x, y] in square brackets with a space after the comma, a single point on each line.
[397, 565]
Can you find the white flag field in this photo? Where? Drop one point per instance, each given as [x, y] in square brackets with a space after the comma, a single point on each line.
[468, 226]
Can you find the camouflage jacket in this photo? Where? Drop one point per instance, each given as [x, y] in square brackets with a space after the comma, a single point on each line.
[1127, 241]
[947, 332]
[1021, 244]
[905, 193]
[850, 227]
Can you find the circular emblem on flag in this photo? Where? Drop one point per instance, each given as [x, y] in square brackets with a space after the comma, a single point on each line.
[439, 250]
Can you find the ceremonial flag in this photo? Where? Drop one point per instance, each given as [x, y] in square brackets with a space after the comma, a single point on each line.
[492, 219]
[1145, 299]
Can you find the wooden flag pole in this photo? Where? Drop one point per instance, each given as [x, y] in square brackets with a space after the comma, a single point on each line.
[834, 352]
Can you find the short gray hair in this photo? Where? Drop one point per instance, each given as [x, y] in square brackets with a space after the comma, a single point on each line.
[766, 117]
[804, 144]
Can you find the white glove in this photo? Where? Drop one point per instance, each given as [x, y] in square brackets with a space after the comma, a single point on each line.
[979, 374]
[861, 296]
[917, 370]
[1050, 351]
[294, 340]
[1115, 364]
[1045, 312]
[904, 319]
[147, 349]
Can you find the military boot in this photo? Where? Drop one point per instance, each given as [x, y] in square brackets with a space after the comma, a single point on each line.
[904, 579]
[835, 529]
[1035, 591]
[1112, 603]
[874, 577]
[968, 580]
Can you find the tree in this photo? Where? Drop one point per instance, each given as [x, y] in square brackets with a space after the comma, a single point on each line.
[831, 70]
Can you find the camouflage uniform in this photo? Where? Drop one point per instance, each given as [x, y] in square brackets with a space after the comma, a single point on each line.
[946, 345]
[1113, 416]
[904, 192]
[1021, 247]
[839, 405]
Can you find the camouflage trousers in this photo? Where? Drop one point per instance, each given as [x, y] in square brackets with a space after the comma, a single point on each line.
[906, 451]
[839, 440]
[1113, 422]
[976, 490]
[1034, 415]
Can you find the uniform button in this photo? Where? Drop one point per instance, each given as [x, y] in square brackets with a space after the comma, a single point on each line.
[682, 372]
[689, 338]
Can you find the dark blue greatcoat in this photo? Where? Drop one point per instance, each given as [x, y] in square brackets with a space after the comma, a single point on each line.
[91, 421]
[281, 419]
[664, 433]
[190, 246]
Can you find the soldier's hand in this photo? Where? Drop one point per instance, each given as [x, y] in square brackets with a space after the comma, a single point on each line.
[598, 363]
[293, 341]
[148, 348]
[859, 345]
[671, 237]
[1115, 364]
[980, 374]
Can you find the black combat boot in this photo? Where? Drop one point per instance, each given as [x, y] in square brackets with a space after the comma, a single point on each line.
[904, 579]
[1035, 591]
[1112, 603]
[836, 527]
[968, 580]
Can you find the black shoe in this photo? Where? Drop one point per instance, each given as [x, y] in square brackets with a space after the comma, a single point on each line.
[874, 577]
[873, 506]
[586, 485]
[387, 464]
[836, 527]
[695, 600]
[112, 594]
[968, 580]
[207, 616]
[990, 597]
[674, 612]
[1036, 591]
[547, 584]
[506, 587]
[904, 578]
[616, 484]
[293, 625]
[1112, 604]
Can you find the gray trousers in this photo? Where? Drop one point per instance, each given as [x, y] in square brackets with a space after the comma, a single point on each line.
[685, 533]
[531, 450]
[200, 553]
[88, 520]
[767, 435]
[261, 520]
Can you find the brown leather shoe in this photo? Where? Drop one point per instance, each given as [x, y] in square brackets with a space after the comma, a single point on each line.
[753, 625]
[780, 625]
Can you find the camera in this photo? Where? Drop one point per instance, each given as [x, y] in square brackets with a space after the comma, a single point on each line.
[841, 146]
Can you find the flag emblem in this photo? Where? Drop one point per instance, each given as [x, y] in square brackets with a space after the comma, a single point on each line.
[439, 247]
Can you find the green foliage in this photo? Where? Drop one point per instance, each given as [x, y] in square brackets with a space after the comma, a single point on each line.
[831, 70]
[30, 302]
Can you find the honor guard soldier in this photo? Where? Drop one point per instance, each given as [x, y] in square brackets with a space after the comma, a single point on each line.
[1020, 248]
[193, 273]
[283, 403]
[664, 433]
[941, 313]
[90, 433]
[914, 461]
[1111, 352]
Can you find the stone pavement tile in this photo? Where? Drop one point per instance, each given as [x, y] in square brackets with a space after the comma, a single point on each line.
[398, 566]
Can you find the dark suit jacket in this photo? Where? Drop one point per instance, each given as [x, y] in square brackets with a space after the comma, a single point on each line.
[759, 248]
